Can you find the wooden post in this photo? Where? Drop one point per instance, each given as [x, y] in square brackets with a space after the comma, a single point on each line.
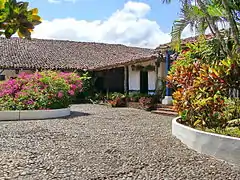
[125, 79]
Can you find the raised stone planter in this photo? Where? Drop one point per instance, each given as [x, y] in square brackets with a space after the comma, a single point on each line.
[222, 147]
[34, 114]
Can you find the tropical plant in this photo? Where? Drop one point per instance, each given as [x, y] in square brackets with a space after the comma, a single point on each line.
[15, 17]
[117, 100]
[87, 89]
[206, 14]
[134, 97]
[148, 103]
[202, 87]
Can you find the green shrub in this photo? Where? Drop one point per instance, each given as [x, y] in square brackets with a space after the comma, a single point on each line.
[117, 100]
[87, 93]
[232, 112]
[134, 97]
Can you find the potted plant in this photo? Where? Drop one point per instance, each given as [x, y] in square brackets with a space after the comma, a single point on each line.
[148, 103]
[134, 97]
[117, 100]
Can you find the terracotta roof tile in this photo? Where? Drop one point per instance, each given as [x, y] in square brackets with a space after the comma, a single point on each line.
[184, 41]
[59, 54]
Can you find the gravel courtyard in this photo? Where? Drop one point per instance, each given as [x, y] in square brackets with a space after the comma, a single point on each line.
[102, 143]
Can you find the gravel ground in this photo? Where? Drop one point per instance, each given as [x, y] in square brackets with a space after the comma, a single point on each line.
[102, 143]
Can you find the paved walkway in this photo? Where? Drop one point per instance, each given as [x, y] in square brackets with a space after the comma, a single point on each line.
[102, 143]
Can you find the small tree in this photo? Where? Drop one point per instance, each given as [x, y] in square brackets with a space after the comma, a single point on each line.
[15, 17]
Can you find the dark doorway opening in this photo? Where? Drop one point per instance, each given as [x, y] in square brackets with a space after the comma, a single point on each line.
[111, 80]
[144, 82]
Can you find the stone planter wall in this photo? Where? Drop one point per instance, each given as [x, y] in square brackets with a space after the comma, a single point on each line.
[222, 147]
[34, 114]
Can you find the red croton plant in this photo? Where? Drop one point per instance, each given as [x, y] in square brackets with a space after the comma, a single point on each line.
[201, 86]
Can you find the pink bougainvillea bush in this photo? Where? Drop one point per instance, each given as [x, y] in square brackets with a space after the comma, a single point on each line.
[41, 90]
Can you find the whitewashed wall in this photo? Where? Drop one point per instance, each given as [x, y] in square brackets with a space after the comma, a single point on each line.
[151, 80]
[134, 76]
[134, 80]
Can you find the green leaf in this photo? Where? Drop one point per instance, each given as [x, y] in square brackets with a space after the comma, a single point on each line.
[214, 10]
[3, 15]
[197, 122]
[25, 32]
[10, 31]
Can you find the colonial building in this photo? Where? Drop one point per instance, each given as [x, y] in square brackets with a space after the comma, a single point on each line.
[118, 68]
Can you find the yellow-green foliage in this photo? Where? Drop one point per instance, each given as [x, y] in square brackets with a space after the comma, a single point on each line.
[16, 17]
[202, 86]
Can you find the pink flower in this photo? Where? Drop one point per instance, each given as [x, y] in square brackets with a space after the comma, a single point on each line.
[80, 85]
[60, 94]
[73, 86]
[30, 102]
[71, 92]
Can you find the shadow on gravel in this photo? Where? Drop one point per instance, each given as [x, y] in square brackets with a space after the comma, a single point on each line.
[76, 114]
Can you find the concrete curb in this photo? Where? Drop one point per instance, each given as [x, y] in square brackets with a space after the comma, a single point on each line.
[34, 114]
[219, 146]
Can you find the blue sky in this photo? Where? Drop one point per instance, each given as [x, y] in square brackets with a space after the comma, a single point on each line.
[143, 23]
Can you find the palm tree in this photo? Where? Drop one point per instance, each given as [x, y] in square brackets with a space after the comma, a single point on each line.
[205, 14]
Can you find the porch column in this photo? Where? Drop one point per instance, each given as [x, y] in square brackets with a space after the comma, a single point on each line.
[168, 97]
[125, 79]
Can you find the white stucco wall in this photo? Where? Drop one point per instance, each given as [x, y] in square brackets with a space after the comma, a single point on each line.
[151, 80]
[134, 76]
[134, 80]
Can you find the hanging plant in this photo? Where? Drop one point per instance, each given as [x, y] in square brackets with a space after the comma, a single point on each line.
[139, 67]
[133, 68]
[149, 68]
[142, 68]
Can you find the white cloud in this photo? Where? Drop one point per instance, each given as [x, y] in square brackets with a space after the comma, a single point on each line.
[59, 1]
[54, 1]
[128, 26]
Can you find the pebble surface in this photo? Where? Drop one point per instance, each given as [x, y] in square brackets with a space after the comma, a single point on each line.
[99, 142]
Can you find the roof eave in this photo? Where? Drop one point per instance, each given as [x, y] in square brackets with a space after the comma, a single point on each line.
[123, 64]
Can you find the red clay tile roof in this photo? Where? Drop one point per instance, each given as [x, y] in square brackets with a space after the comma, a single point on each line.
[184, 41]
[57, 54]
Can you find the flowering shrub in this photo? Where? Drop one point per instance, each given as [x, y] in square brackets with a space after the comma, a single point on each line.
[41, 90]
[202, 86]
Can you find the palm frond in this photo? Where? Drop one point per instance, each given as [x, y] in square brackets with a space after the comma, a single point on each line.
[177, 29]
[166, 1]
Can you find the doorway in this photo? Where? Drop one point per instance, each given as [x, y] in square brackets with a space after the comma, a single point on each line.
[144, 82]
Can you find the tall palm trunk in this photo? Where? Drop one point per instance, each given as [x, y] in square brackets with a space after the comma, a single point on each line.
[232, 22]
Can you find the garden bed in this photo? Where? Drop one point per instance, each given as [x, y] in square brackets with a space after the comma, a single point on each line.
[220, 146]
[34, 114]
